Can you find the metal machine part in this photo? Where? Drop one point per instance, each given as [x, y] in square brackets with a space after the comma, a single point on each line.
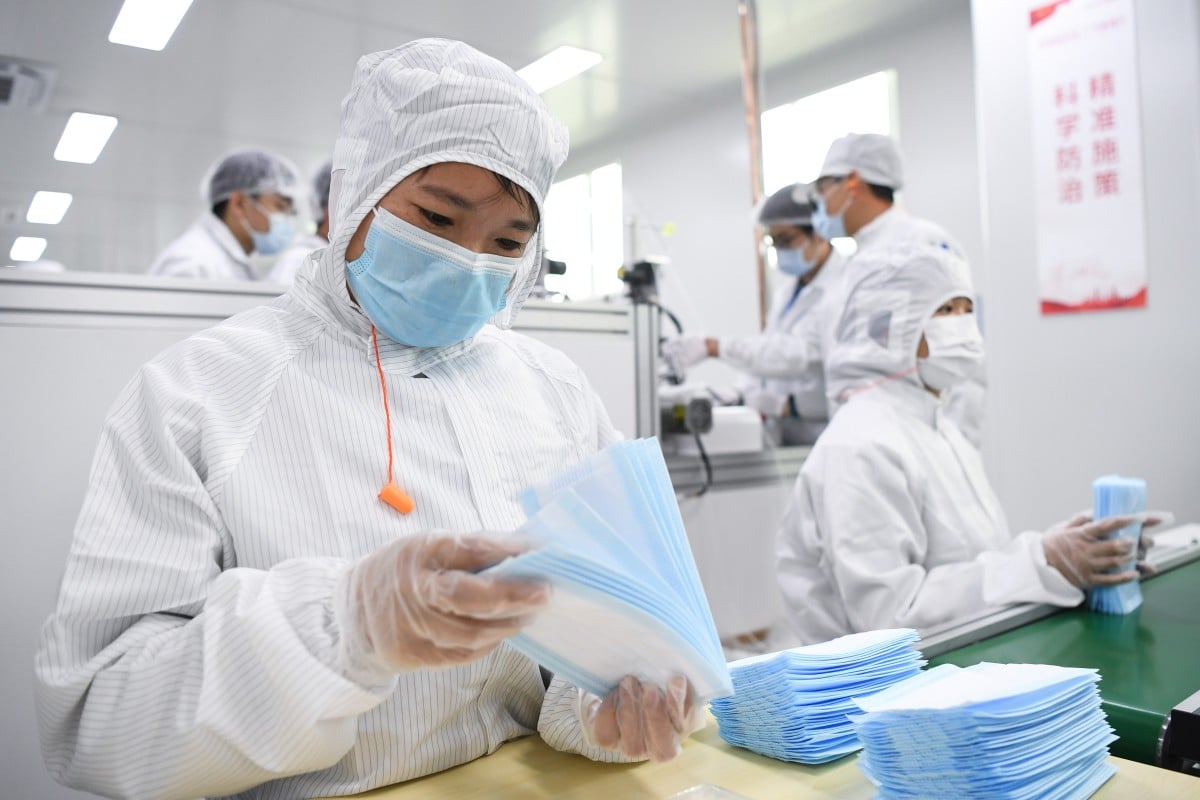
[1179, 744]
[693, 416]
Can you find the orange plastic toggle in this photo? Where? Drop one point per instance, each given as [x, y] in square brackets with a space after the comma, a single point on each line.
[397, 498]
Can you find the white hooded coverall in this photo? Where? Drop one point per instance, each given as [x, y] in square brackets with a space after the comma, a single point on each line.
[787, 357]
[892, 521]
[193, 647]
[207, 249]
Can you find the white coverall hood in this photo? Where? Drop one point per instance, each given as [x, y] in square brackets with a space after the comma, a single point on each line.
[885, 314]
[432, 101]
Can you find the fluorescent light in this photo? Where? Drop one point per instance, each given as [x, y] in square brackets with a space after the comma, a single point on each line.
[48, 208]
[148, 23]
[557, 66]
[84, 137]
[27, 248]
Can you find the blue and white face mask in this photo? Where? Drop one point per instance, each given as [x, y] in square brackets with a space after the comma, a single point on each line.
[422, 290]
[791, 261]
[278, 235]
[827, 226]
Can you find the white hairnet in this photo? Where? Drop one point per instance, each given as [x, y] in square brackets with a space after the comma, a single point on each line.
[875, 158]
[886, 312]
[320, 190]
[251, 171]
[433, 101]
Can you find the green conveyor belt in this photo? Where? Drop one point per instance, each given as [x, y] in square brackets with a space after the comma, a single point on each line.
[1148, 660]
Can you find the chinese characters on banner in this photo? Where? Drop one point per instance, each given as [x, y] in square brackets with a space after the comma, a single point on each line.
[1091, 232]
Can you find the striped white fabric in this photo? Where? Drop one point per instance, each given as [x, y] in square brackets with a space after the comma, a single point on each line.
[191, 652]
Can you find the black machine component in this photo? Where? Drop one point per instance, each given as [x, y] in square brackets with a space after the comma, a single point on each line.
[694, 416]
[1179, 744]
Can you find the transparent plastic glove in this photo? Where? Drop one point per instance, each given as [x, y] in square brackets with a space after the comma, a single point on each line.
[1149, 519]
[765, 401]
[641, 720]
[415, 603]
[683, 352]
[1077, 548]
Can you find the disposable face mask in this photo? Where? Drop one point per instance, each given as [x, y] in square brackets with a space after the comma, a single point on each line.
[279, 233]
[627, 597]
[829, 226]
[955, 351]
[1041, 728]
[422, 290]
[791, 261]
[793, 705]
[1113, 495]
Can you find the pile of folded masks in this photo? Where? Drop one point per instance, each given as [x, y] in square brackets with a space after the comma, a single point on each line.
[793, 704]
[627, 598]
[1113, 495]
[989, 730]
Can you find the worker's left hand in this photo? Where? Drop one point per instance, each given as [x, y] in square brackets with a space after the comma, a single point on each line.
[642, 720]
[684, 351]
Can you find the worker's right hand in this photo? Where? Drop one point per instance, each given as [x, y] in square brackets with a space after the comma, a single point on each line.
[684, 351]
[1077, 548]
[416, 603]
[640, 720]
[766, 402]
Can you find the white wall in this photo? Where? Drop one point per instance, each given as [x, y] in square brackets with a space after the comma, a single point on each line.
[1076, 396]
[694, 170]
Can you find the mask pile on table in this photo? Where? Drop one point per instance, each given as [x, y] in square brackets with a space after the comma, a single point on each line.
[627, 599]
[990, 730]
[793, 705]
[1112, 496]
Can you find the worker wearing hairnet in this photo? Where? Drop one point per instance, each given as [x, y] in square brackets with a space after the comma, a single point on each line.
[786, 381]
[892, 522]
[292, 258]
[244, 610]
[250, 198]
[855, 196]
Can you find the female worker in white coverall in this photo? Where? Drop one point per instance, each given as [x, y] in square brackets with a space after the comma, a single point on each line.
[892, 521]
[243, 610]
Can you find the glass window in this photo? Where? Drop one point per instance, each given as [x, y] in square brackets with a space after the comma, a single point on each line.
[584, 230]
[797, 135]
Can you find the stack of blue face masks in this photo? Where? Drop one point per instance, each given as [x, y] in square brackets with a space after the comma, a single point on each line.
[1113, 496]
[793, 705]
[991, 730]
[627, 599]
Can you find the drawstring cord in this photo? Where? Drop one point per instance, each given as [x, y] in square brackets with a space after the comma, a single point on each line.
[391, 494]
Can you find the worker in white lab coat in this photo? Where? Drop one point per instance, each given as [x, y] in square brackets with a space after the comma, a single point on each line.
[293, 257]
[250, 194]
[784, 364]
[854, 196]
[892, 521]
[244, 611]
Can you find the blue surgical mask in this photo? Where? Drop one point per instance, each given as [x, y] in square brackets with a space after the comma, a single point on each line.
[826, 226]
[423, 290]
[278, 235]
[791, 261]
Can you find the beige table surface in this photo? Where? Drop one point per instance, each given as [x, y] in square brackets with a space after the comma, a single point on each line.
[527, 768]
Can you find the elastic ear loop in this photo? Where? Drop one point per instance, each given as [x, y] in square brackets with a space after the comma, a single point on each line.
[391, 494]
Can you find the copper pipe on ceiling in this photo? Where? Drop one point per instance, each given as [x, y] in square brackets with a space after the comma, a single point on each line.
[751, 90]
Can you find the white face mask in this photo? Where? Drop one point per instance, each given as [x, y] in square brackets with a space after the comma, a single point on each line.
[955, 351]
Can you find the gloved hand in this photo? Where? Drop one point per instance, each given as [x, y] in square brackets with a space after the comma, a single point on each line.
[765, 401]
[415, 603]
[684, 351]
[641, 720]
[1077, 549]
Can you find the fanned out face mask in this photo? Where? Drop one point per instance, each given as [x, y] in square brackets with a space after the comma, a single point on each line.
[955, 351]
[423, 290]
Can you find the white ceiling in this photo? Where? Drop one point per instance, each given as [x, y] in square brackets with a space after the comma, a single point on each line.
[271, 73]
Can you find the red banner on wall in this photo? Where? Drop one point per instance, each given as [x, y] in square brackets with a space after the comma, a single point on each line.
[1091, 227]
